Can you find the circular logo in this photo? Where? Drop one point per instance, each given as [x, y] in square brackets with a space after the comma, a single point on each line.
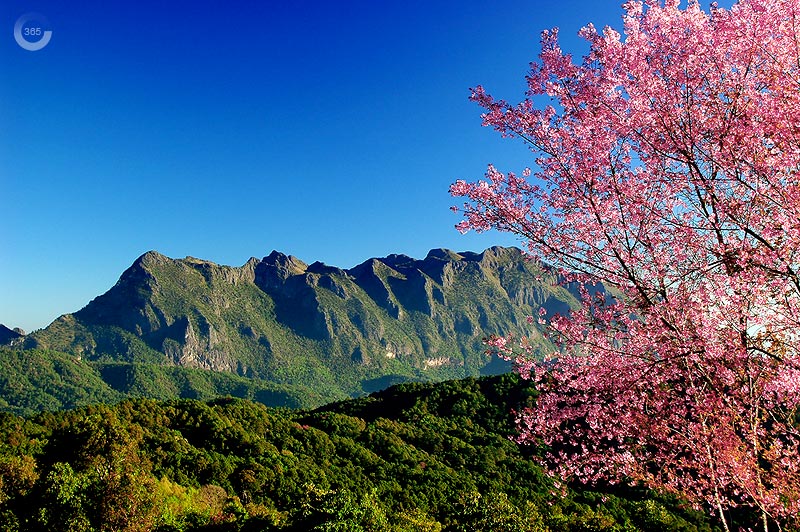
[32, 32]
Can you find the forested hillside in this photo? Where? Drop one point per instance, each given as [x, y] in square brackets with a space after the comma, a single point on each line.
[37, 380]
[417, 457]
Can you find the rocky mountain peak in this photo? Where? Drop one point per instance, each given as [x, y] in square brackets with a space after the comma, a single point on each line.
[142, 269]
[150, 259]
[288, 264]
[398, 261]
[497, 255]
[323, 269]
[276, 268]
[280, 319]
[443, 255]
[9, 336]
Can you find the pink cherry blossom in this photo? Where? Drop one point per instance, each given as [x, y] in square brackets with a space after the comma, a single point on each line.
[667, 170]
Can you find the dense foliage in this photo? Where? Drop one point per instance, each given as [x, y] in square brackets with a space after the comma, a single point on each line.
[416, 457]
[36, 380]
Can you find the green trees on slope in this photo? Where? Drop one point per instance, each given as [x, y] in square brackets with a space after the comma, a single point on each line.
[36, 380]
[416, 457]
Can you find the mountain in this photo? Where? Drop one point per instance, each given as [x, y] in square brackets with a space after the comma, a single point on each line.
[337, 332]
[10, 336]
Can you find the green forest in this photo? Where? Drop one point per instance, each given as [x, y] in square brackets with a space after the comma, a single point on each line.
[414, 457]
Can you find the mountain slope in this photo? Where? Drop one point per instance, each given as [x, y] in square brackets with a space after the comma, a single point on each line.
[341, 332]
[9, 336]
[37, 380]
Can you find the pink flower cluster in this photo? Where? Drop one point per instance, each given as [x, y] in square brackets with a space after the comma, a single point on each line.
[668, 170]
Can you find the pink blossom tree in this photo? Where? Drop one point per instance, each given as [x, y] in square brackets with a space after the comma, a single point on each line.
[667, 169]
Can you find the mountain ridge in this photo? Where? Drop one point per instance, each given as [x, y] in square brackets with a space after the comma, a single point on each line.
[281, 320]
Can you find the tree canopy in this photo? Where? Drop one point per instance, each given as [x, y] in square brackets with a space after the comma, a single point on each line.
[666, 169]
[415, 457]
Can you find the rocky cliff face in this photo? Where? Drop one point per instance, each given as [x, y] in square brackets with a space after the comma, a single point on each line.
[282, 320]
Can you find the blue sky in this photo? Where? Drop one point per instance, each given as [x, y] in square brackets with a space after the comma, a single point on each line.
[224, 130]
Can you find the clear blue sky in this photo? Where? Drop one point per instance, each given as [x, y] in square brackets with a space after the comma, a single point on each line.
[224, 130]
